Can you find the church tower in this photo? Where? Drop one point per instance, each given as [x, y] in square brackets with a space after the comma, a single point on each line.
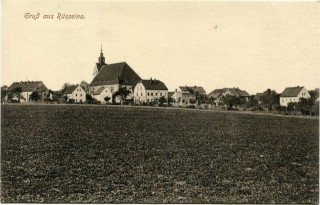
[101, 62]
[101, 59]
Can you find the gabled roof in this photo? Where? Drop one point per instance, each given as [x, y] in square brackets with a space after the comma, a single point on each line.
[291, 91]
[99, 91]
[116, 73]
[237, 92]
[70, 89]
[258, 96]
[233, 91]
[28, 86]
[153, 85]
[189, 95]
[193, 89]
[216, 93]
[170, 94]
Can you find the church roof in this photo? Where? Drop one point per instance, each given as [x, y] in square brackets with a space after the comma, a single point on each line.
[28, 86]
[116, 73]
[154, 85]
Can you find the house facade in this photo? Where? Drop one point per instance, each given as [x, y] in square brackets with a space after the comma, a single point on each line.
[149, 91]
[187, 95]
[75, 94]
[27, 87]
[293, 94]
[114, 77]
[101, 94]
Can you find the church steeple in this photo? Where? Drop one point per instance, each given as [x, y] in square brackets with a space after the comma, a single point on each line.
[101, 60]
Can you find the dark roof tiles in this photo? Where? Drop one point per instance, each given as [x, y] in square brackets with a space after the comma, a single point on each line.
[154, 85]
[70, 89]
[116, 73]
[193, 89]
[291, 91]
[28, 86]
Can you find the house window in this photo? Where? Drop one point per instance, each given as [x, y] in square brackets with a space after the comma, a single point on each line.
[156, 94]
[151, 94]
[160, 94]
[141, 94]
[81, 95]
[148, 94]
[76, 95]
[137, 94]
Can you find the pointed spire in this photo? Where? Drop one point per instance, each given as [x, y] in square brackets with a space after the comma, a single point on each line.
[101, 59]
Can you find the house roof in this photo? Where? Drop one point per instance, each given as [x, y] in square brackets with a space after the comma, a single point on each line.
[233, 91]
[28, 86]
[258, 96]
[184, 95]
[238, 92]
[291, 91]
[116, 73]
[170, 94]
[70, 89]
[216, 93]
[193, 89]
[99, 91]
[154, 85]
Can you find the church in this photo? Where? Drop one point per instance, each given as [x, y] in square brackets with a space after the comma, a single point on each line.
[112, 78]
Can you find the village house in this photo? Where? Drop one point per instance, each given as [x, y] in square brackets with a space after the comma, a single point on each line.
[217, 94]
[150, 91]
[293, 94]
[187, 95]
[27, 87]
[101, 94]
[115, 77]
[75, 94]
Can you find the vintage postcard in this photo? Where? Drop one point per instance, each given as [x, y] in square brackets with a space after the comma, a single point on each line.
[159, 102]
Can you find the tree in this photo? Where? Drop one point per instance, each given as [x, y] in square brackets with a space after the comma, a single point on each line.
[35, 96]
[315, 108]
[230, 101]
[269, 98]
[314, 94]
[162, 100]
[85, 86]
[201, 98]
[64, 87]
[4, 93]
[192, 101]
[107, 98]
[252, 103]
[16, 92]
[305, 105]
[292, 106]
[122, 92]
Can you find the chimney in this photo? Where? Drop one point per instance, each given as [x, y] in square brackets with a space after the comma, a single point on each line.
[150, 80]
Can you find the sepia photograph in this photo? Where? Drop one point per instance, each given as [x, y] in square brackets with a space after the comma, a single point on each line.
[160, 102]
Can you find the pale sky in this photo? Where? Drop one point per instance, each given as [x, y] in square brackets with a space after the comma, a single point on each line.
[250, 45]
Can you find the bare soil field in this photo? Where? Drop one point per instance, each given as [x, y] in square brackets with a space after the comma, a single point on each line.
[101, 154]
